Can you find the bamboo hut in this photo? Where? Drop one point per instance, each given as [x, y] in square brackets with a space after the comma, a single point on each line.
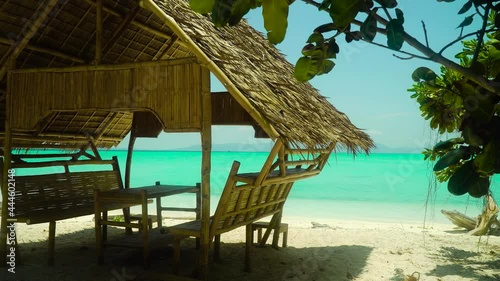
[82, 74]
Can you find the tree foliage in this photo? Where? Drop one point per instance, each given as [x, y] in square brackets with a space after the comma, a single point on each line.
[463, 98]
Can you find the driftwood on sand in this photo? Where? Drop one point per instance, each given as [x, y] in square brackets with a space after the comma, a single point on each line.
[485, 223]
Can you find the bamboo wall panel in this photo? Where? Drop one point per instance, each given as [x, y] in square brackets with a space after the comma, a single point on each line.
[172, 92]
[227, 111]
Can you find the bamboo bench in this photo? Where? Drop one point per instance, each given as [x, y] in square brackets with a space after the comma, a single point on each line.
[239, 205]
[52, 196]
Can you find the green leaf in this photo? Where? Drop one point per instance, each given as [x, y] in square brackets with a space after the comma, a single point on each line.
[465, 7]
[201, 6]
[343, 12]
[466, 179]
[486, 161]
[369, 28]
[423, 73]
[240, 8]
[446, 145]
[395, 34]
[255, 3]
[275, 13]
[387, 3]
[316, 38]
[326, 67]
[324, 5]
[332, 49]
[306, 68]
[400, 16]
[453, 157]
[220, 13]
[467, 21]
[471, 137]
[308, 49]
[325, 28]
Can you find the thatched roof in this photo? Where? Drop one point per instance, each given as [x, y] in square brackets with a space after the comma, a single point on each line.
[255, 70]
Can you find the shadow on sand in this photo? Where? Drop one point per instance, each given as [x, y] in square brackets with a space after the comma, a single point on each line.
[76, 261]
[474, 265]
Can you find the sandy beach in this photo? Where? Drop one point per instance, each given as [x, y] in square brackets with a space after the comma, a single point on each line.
[317, 250]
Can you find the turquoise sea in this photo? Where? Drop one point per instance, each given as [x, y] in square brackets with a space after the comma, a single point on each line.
[378, 187]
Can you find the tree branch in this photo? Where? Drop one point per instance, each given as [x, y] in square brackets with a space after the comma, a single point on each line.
[399, 51]
[429, 54]
[425, 34]
[463, 37]
[477, 78]
[480, 37]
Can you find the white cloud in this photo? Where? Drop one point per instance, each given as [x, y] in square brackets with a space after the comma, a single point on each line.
[373, 132]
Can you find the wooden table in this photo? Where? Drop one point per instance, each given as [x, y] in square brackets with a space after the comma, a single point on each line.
[125, 198]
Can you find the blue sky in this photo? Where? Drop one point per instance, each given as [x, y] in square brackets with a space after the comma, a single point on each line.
[367, 83]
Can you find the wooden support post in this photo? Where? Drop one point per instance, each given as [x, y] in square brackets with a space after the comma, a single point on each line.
[52, 242]
[144, 227]
[5, 172]
[98, 232]
[31, 27]
[158, 212]
[128, 170]
[206, 146]
[98, 31]
[248, 246]
[198, 210]
[281, 158]
[217, 248]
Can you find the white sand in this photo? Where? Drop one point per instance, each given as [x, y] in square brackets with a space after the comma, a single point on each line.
[341, 250]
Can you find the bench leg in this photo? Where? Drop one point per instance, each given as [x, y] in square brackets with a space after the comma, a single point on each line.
[248, 246]
[98, 239]
[177, 253]
[217, 248]
[52, 242]
[276, 232]
[145, 233]
[159, 220]
[285, 238]
[126, 216]
[105, 227]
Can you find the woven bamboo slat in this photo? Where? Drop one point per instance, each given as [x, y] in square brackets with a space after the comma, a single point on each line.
[167, 88]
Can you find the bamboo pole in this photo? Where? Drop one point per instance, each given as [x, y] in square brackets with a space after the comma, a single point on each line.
[49, 137]
[98, 31]
[172, 24]
[140, 25]
[107, 67]
[269, 162]
[206, 146]
[128, 163]
[45, 50]
[31, 28]
[117, 33]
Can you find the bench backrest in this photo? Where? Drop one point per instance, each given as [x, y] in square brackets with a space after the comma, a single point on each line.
[66, 190]
[243, 204]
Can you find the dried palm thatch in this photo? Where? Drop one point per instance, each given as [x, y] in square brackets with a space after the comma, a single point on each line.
[260, 74]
